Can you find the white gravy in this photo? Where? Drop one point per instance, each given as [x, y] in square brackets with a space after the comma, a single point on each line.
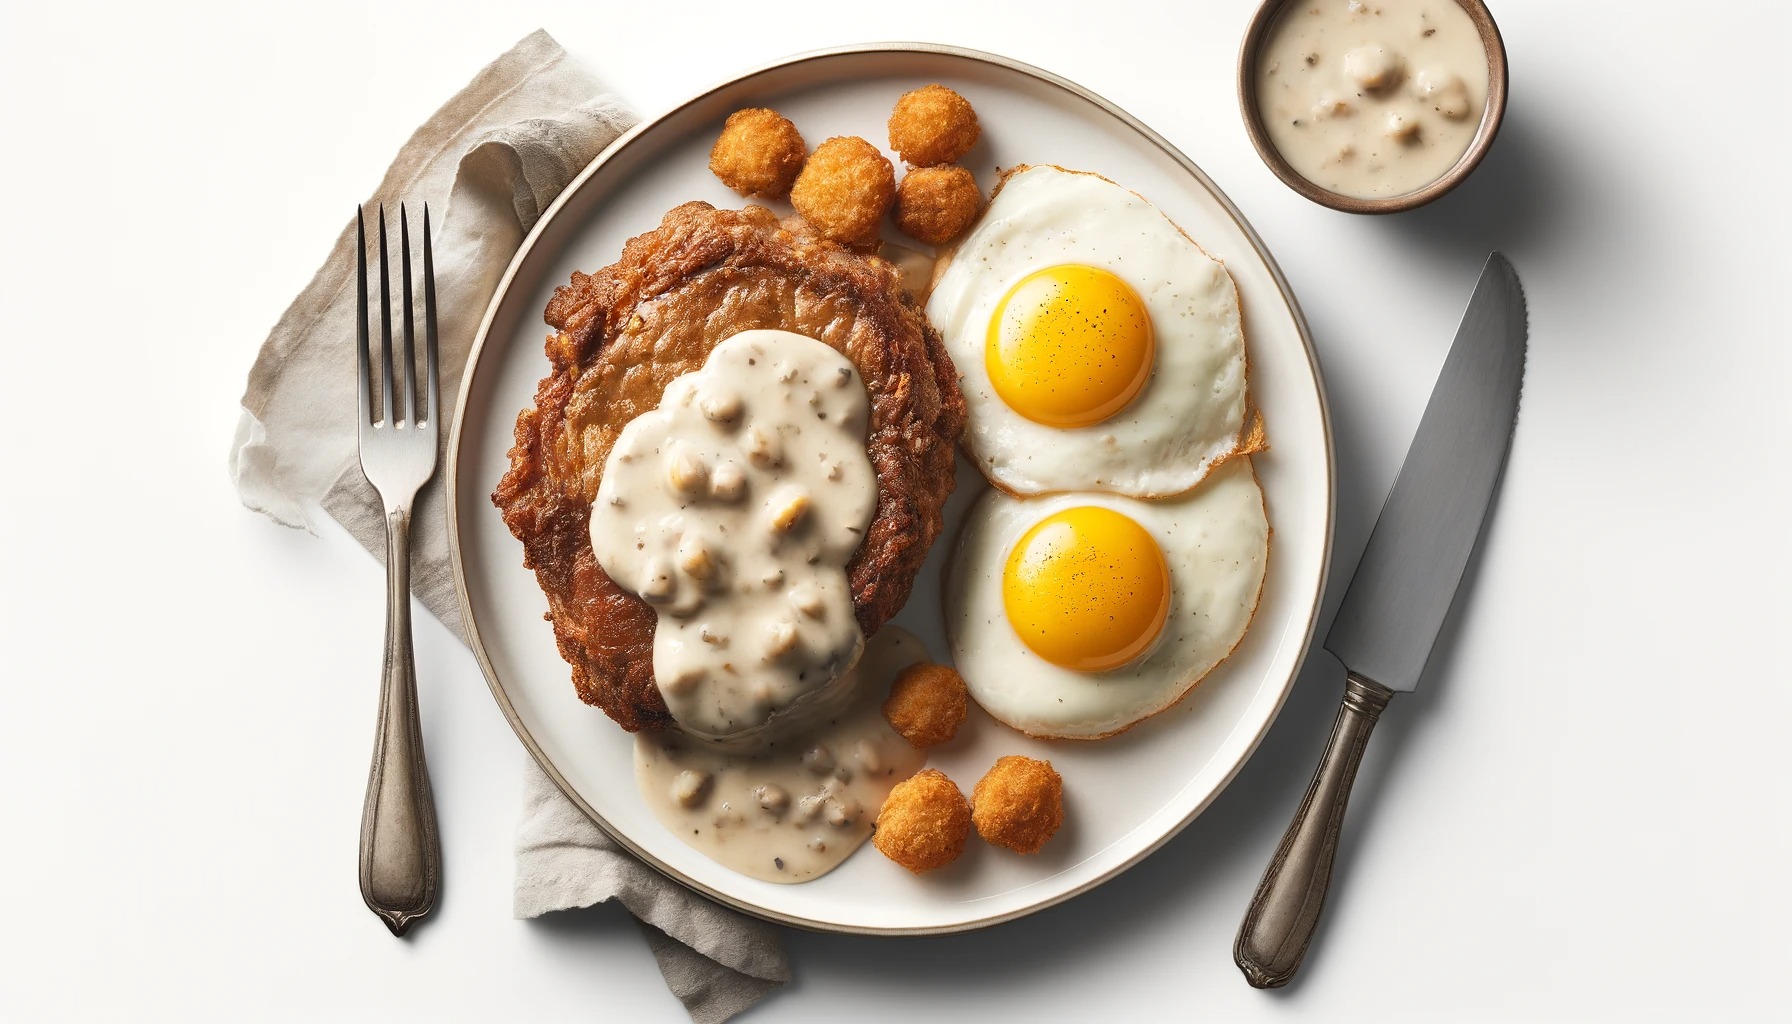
[795, 809]
[1372, 98]
[732, 509]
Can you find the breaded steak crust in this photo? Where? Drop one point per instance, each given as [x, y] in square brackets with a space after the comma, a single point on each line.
[623, 333]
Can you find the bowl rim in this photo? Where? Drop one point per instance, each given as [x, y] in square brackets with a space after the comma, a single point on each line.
[1492, 114]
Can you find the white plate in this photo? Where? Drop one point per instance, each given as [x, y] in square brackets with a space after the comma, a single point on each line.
[1125, 796]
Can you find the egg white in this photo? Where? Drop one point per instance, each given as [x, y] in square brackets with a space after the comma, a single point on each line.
[1190, 414]
[1216, 542]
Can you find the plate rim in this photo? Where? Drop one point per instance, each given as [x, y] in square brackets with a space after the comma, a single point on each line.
[622, 142]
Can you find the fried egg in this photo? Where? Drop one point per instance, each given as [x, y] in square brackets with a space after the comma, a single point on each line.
[1099, 347]
[1078, 615]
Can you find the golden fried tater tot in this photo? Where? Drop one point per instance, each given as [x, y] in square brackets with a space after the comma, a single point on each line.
[924, 823]
[933, 125]
[844, 189]
[927, 704]
[758, 153]
[1019, 803]
[935, 204]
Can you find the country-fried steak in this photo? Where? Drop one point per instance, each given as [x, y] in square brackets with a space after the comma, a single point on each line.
[623, 333]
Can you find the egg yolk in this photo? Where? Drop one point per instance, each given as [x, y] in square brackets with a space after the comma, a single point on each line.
[1069, 346]
[1087, 589]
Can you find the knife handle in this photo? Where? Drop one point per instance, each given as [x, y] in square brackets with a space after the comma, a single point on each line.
[1279, 925]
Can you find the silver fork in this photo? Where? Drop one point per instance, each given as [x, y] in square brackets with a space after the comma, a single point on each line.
[401, 855]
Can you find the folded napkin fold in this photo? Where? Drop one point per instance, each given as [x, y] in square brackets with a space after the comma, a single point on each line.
[500, 151]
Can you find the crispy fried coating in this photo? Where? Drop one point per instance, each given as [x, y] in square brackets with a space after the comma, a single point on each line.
[758, 153]
[933, 125]
[622, 334]
[844, 189]
[1019, 803]
[935, 204]
[924, 823]
[927, 704]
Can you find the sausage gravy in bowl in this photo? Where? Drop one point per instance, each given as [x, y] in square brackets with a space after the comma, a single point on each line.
[1372, 106]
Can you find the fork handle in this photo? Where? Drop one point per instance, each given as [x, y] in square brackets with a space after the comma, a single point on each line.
[1285, 909]
[401, 855]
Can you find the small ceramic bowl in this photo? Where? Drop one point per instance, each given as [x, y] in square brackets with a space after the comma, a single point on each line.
[1491, 116]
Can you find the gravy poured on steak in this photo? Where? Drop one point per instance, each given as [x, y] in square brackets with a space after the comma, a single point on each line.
[623, 333]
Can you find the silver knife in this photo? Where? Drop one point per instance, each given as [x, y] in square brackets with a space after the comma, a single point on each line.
[1403, 587]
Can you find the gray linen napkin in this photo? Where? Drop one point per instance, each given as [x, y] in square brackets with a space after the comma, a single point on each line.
[500, 151]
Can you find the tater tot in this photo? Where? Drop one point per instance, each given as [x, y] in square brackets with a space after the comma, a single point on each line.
[927, 704]
[844, 189]
[933, 125]
[924, 823]
[758, 153]
[935, 204]
[1019, 803]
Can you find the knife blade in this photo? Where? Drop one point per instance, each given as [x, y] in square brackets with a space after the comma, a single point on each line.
[1407, 577]
[1397, 600]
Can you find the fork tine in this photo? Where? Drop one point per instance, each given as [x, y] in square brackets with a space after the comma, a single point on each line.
[366, 392]
[410, 345]
[386, 414]
[434, 379]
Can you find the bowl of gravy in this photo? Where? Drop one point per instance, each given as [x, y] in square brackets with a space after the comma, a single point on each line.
[1372, 106]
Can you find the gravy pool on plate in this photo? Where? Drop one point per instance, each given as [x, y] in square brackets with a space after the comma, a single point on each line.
[1372, 98]
[789, 811]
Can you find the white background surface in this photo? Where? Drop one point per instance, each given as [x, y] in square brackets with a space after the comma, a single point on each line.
[1581, 816]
